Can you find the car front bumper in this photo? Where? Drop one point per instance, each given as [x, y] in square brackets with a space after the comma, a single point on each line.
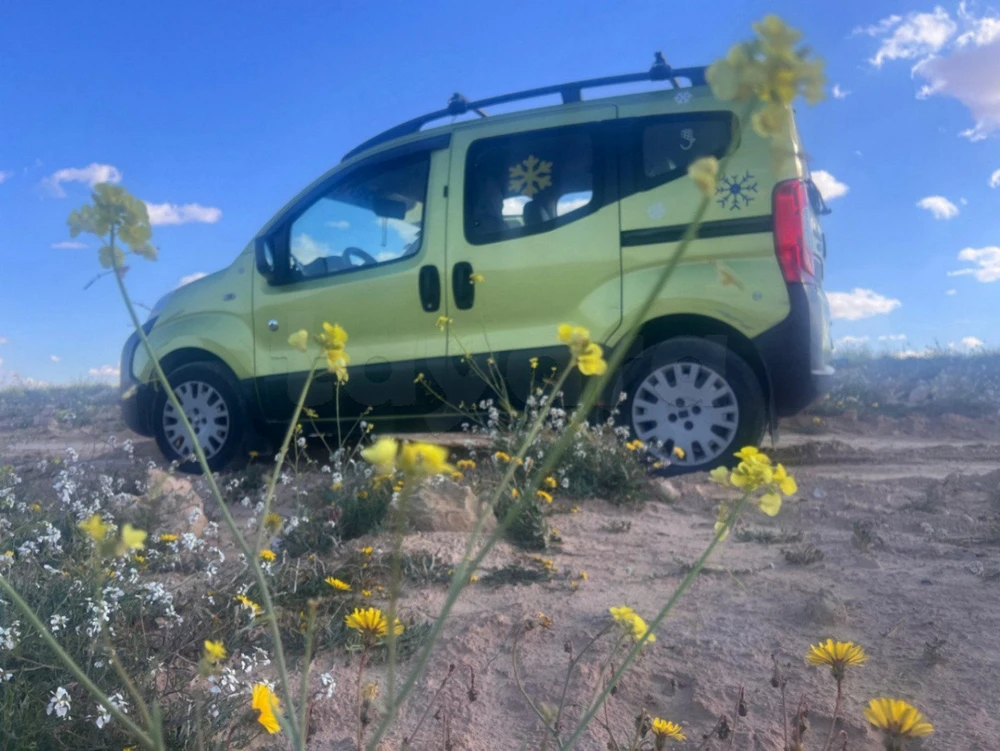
[136, 398]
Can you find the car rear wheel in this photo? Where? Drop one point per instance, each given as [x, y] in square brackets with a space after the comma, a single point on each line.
[694, 395]
[210, 397]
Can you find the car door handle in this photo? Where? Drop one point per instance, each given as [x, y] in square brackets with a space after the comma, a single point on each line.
[429, 283]
[462, 286]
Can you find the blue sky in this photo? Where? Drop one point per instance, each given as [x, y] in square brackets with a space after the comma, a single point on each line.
[217, 113]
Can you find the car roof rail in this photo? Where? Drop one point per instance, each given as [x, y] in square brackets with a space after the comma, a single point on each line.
[570, 92]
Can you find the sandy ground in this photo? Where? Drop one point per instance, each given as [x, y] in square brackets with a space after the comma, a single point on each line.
[923, 599]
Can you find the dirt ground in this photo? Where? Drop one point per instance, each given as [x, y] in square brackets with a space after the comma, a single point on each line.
[905, 514]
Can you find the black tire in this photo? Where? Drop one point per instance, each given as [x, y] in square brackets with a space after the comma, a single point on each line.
[212, 390]
[704, 369]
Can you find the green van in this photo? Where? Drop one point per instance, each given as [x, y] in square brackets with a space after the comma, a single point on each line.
[566, 213]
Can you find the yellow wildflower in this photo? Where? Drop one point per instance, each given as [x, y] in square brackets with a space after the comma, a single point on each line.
[502, 456]
[310, 413]
[543, 620]
[631, 623]
[591, 361]
[679, 452]
[664, 729]
[96, 528]
[267, 555]
[338, 584]
[465, 464]
[551, 483]
[337, 361]
[442, 322]
[132, 539]
[368, 550]
[897, 720]
[477, 278]
[587, 355]
[533, 362]
[584, 575]
[371, 623]
[366, 593]
[542, 495]
[382, 454]
[168, 537]
[515, 493]
[215, 651]
[635, 445]
[36, 507]
[473, 579]
[704, 173]
[272, 522]
[424, 459]
[720, 475]
[575, 510]
[333, 336]
[249, 604]
[299, 340]
[267, 706]
[837, 654]
[370, 691]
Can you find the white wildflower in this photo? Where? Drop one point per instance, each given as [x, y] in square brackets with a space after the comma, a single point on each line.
[60, 702]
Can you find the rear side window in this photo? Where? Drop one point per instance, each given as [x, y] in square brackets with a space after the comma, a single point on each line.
[668, 145]
[528, 183]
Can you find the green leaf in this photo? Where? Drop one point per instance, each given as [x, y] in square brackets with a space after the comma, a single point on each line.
[110, 257]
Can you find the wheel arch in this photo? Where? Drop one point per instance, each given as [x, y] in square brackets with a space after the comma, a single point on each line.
[190, 355]
[661, 329]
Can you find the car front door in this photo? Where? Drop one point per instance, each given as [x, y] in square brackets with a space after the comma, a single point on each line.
[364, 251]
[533, 238]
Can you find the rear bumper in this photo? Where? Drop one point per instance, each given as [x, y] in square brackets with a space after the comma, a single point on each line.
[136, 398]
[795, 353]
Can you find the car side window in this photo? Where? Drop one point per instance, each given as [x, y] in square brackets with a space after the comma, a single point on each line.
[668, 145]
[527, 183]
[369, 218]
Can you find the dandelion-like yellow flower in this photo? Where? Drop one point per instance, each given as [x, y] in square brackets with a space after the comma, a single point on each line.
[382, 454]
[755, 472]
[898, 720]
[666, 729]
[338, 584]
[543, 496]
[267, 706]
[95, 528]
[215, 651]
[839, 655]
[249, 604]
[267, 556]
[272, 522]
[132, 539]
[465, 464]
[591, 360]
[371, 623]
[635, 445]
[423, 459]
[299, 340]
[368, 550]
[168, 537]
[502, 456]
[550, 482]
[704, 173]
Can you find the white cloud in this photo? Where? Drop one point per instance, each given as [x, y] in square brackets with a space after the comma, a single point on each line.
[995, 179]
[4, 340]
[407, 232]
[339, 224]
[839, 93]
[850, 342]
[916, 36]
[892, 338]
[939, 206]
[5, 175]
[191, 278]
[967, 344]
[951, 292]
[986, 259]
[105, 371]
[172, 213]
[307, 249]
[829, 186]
[55, 358]
[860, 303]
[69, 245]
[92, 174]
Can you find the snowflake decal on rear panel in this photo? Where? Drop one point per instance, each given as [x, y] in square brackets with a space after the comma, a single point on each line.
[530, 176]
[734, 192]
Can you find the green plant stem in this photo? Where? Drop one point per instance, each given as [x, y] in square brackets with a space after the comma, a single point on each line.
[395, 572]
[520, 687]
[306, 664]
[251, 555]
[144, 738]
[461, 577]
[340, 438]
[279, 462]
[836, 714]
[681, 589]
[569, 674]
[124, 676]
[361, 673]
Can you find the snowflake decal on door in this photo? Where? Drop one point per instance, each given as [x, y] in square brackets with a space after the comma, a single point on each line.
[734, 192]
[530, 176]
[682, 97]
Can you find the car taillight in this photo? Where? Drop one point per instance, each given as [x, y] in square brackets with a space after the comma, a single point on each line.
[790, 204]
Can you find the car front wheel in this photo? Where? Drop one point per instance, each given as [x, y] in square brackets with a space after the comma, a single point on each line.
[210, 398]
[693, 402]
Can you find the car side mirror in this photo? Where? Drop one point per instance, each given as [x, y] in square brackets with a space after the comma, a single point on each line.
[271, 255]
